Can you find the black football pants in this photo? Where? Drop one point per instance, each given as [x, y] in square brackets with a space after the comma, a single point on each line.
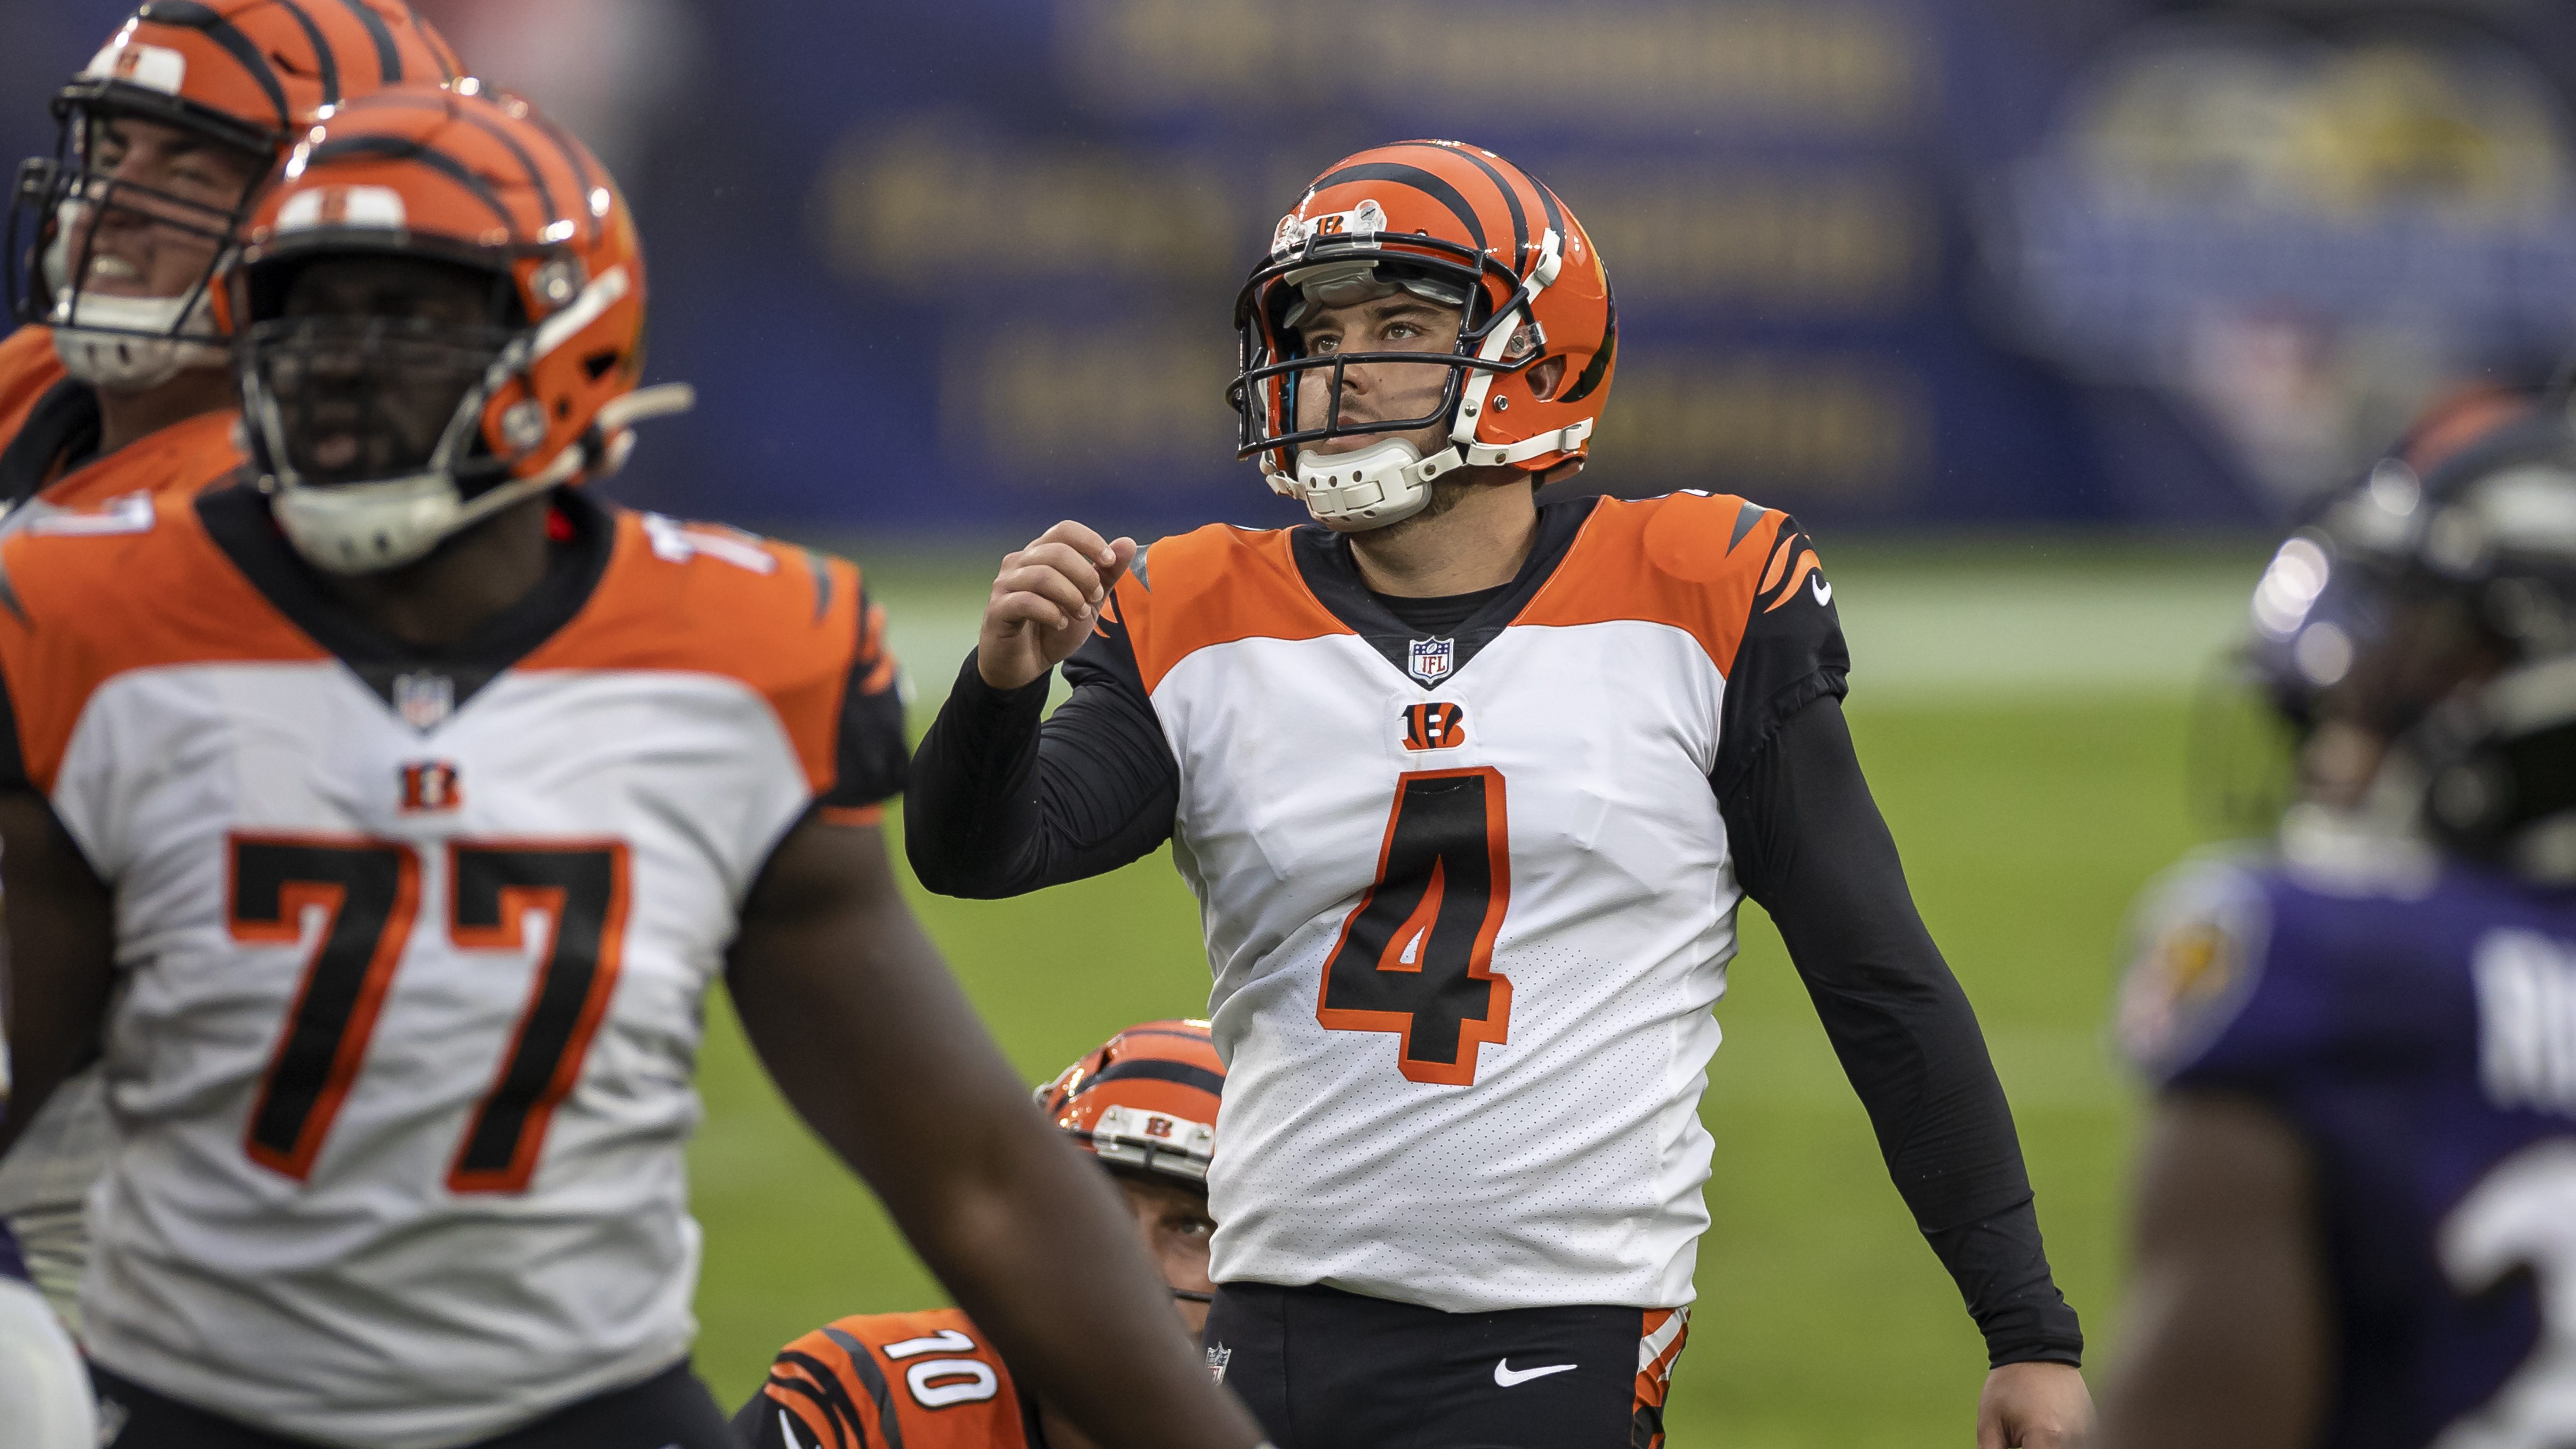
[671, 1410]
[1323, 1369]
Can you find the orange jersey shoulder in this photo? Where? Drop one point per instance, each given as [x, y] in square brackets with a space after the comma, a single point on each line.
[1214, 586]
[695, 597]
[931, 1374]
[88, 595]
[29, 369]
[1701, 562]
[185, 458]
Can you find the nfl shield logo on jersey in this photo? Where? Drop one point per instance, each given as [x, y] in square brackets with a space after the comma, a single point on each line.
[1218, 1356]
[424, 701]
[1429, 659]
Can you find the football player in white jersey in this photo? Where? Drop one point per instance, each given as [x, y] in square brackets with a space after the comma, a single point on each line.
[1469, 789]
[390, 820]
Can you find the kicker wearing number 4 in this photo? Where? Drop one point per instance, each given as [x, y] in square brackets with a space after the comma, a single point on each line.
[1465, 786]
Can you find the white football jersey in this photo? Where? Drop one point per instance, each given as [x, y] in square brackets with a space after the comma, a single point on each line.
[412, 946]
[1468, 899]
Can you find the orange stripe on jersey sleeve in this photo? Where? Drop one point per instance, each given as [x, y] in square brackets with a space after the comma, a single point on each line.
[184, 458]
[79, 609]
[700, 598]
[29, 368]
[1678, 560]
[1218, 585]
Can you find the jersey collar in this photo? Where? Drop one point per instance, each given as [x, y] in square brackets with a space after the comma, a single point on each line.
[1324, 561]
[422, 686]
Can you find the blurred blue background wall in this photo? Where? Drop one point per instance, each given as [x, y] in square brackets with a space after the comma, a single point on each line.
[968, 267]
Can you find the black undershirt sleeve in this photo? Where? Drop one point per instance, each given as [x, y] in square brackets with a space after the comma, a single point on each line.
[1811, 847]
[1001, 805]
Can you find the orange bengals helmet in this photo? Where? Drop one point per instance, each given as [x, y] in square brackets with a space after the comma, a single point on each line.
[1146, 1101]
[242, 74]
[1455, 225]
[539, 391]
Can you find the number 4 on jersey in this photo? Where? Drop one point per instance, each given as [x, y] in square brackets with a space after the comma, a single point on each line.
[1416, 957]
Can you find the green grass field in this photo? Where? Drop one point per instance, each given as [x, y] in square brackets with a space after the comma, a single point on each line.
[2022, 712]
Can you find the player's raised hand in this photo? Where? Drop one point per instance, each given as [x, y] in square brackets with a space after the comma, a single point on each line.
[1045, 600]
[2034, 1406]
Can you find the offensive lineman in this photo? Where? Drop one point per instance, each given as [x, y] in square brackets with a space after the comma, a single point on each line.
[1145, 1105]
[396, 832]
[2357, 1202]
[116, 386]
[1468, 789]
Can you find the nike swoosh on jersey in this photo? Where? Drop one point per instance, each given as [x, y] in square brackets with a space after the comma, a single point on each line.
[1824, 591]
[1507, 1376]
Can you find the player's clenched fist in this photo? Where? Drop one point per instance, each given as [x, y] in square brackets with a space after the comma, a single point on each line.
[1044, 602]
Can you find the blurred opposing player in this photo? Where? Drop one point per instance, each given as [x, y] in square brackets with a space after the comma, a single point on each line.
[396, 830]
[1145, 1104]
[1469, 789]
[2357, 1206]
[117, 385]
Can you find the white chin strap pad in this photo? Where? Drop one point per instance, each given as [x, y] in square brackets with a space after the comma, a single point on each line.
[365, 528]
[132, 344]
[1370, 487]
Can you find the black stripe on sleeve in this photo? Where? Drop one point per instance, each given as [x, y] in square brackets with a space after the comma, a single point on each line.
[871, 750]
[873, 1379]
[389, 66]
[823, 1387]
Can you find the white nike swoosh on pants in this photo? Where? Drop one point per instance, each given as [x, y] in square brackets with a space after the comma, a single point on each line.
[1506, 1376]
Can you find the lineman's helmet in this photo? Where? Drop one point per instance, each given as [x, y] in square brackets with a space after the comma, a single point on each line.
[243, 74]
[546, 384]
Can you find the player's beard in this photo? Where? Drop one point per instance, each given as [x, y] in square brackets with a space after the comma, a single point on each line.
[1446, 493]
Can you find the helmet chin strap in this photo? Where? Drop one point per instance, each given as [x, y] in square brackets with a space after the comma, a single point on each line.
[1390, 481]
[131, 344]
[365, 528]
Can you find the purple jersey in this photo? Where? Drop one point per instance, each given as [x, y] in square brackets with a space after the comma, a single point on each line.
[2416, 1025]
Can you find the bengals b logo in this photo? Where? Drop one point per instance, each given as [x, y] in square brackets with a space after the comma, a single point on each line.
[431, 785]
[1434, 726]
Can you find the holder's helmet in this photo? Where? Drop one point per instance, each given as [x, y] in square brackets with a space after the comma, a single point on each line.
[1458, 226]
[1145, 1102]
[545, 382]
[2439, 614]
[244, 75]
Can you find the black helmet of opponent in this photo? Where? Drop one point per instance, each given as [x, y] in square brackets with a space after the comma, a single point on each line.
[2437, 614]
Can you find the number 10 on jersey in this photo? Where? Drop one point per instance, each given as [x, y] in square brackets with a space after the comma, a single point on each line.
[1416, 956]
[369, 892]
